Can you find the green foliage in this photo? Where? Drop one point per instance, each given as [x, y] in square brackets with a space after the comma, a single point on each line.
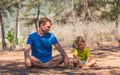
[7, 6]
[99, 5]
[109, 16]
[79, 8]
[29, 22]
[10, 36]
[31, 7]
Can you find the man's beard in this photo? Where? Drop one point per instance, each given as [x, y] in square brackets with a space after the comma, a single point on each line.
[46, 31]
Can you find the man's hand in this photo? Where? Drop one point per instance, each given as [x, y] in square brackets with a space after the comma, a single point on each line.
[63, 53]
[27, 54]
[66, 61]
[28, 62]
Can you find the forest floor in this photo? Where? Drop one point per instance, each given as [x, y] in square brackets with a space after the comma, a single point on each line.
[107, 57]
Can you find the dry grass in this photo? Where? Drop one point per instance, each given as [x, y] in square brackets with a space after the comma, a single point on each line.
[96, 32]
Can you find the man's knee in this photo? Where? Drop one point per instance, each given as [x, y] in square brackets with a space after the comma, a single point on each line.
[59, 56]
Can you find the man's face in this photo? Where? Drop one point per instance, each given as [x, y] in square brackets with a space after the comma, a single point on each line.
[46, 27]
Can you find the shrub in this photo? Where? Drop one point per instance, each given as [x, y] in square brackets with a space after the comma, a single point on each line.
[10, 36]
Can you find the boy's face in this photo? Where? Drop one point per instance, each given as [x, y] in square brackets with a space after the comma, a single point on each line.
[81, 45]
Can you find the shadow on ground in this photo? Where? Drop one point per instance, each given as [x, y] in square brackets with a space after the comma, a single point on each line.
[13, 65]
[17, 68]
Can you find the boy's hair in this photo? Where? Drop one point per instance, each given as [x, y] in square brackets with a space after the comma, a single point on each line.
[43, 21]
[77, 39]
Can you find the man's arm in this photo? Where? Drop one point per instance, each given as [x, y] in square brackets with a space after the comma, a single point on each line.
[27, 56]
[75, 56]
[63, 53]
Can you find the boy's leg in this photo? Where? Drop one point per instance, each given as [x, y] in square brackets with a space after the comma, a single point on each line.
[91, 63]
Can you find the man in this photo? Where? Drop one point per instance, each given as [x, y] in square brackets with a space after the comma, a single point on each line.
[40, 43]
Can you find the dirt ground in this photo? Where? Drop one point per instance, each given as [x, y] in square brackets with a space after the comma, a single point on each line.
[107, 57]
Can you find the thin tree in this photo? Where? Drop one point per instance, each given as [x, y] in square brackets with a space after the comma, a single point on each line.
[85, 19]
[18, 4]
[36, 19]
[32, 6]
[73, 14]
[116, 16]
[4, 46]
[5, 8]
[16, 27]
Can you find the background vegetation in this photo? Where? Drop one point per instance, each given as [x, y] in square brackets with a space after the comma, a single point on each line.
[95, 20]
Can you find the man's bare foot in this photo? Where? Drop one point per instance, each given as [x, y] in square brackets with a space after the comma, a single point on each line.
[85, 67]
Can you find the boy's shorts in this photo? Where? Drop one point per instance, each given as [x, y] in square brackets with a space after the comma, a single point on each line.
[83, 61]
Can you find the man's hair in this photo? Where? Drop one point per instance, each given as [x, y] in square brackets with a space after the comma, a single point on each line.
[43, 21]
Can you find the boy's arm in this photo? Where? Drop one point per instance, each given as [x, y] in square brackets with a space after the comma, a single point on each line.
[75, 54]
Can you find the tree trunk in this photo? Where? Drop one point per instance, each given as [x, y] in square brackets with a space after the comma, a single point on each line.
[116, 26]
[85, 19]
[36, 19]
[73, 15]
[116, 19]
[16, 27]
[4, 46]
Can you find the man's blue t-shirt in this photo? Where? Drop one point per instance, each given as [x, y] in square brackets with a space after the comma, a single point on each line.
[42, 45]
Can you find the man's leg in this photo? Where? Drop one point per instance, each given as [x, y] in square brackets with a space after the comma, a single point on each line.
[55, 61]
[75, 62]
[36, 62]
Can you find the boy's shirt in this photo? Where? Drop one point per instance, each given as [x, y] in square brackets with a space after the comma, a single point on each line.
[82, 54]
